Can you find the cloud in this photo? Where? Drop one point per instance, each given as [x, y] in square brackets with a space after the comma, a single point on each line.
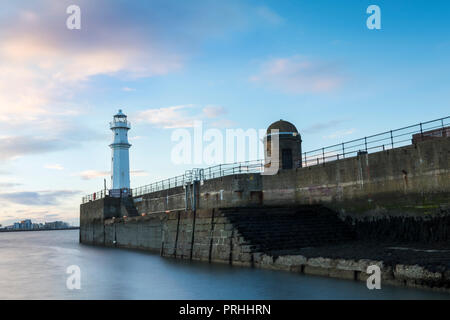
[9, 184]
[128, 89]
[12, 147]
[39, 198]
[180, 116]
[269, 15]
[43, 65]
[47, 134]
[54, 166]
[298, 75]
[223, 123]
[51, 216]
[317, 127]
[340, 134]
[36, 71]
[169, 117]
[40, 214]
[213, 111]
[93, 174]
[139, 173]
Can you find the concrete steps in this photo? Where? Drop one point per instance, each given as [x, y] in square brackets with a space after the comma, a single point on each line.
[267, 229]
[129, 207]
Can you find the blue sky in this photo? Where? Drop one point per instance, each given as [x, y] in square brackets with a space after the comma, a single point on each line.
[231, 64]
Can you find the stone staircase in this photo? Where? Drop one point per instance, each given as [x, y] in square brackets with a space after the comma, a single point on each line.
[269, 229]
[130, 207]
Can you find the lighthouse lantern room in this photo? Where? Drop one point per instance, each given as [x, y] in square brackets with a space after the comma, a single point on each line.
[120, 160]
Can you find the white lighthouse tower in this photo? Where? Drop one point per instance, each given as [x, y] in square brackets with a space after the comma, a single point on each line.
[120, 160]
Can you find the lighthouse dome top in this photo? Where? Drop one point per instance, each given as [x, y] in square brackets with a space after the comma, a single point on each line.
[120, 114]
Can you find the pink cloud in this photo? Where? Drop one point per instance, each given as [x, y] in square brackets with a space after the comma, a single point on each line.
[213, 111]
[181, 116]
[298, 75]
[42, 63]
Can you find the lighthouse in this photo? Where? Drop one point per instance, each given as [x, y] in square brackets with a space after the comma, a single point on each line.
[120, 159]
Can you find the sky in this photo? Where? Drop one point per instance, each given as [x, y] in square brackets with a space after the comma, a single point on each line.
[230, 64]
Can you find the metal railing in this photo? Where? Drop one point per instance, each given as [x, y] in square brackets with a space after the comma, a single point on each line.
[378, 142]
[216, 171]
[95, 196]
[374, 143]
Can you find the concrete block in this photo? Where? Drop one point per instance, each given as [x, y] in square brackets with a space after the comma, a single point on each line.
[318, 271]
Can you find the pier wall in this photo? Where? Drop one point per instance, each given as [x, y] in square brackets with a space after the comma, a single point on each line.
[210, 236]
[382, 192]
[412, 181]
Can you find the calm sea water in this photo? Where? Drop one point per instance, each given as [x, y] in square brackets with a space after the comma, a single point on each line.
[33, 266]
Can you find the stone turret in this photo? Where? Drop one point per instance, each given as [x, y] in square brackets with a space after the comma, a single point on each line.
[290, 145]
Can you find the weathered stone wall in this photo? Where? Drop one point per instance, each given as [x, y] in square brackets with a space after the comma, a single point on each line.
[92, 216]
[204, 235]
[403, 229]
[408, 181]
[228, 191]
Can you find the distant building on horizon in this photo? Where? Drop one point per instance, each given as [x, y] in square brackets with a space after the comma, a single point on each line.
[23, 225]
[27, 224]
[56, 225]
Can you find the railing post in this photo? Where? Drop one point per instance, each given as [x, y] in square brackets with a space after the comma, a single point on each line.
[365, 142]
[323, 155]
[392, 141]
[343, 150]
[306, 164]
[421, 131]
